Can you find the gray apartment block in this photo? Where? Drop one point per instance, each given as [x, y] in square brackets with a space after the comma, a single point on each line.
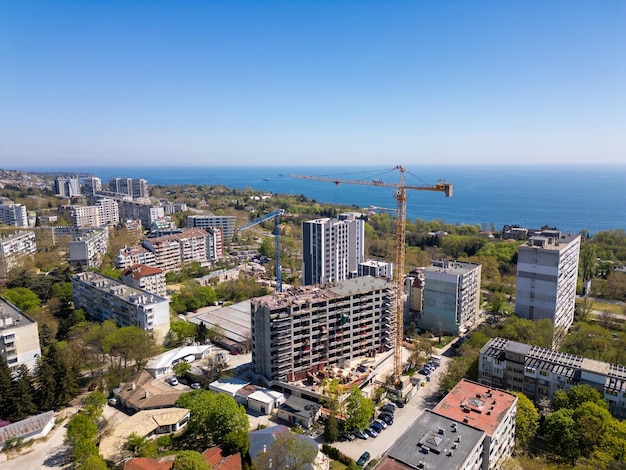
[332, 248]
[225, 222]
[451, 297]
[13, 214]
[104, 298]
[87, 250]
[540, 372]
[313, 328]
[13, 248]
[547, 271]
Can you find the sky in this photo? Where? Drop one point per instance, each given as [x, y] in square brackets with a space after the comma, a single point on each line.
[227, 83]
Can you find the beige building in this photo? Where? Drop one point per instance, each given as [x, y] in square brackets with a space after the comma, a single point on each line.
[131, 255]
[171, 251]
[144, 277]
[19, 337]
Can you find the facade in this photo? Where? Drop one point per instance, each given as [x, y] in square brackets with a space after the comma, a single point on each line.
[224, 222]
[67, 186]
[104, 298]
[87, 250]
[92, 185]
[121, 186]
[215, 248]
[540, 372]
[146, 278]
[109, 210]
[13, 214]
[376, 269]
[451, 297]
[19, 337]
[547, 271]
[129, 256]
[13, 249]
[83, 216]
[143, 211]
[173, 207]
[414, 289]
[171, 251]
[332, 248]
[139, 188]
[312, 328]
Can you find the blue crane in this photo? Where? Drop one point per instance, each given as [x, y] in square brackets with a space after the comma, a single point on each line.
[276, 216]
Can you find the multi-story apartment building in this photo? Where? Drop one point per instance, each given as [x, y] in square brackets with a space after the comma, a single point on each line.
[224, 222]
[143, 211]
[19, 337]
[313, 328]
[121, 186]
[88, 249]
[171, 251]
[215, 248]
[83, 216]
[376, 268]
[139, 188]
[13, 214]
[173, 207]
[14, 248]
[92, 185]
[131, 255]
[109, 210]
[472, 428]
[540, 372]
[103, 298]
[67, 186]
[144, 277]
[451, 296]
[414, 290]
[547, 271]
[332, 248]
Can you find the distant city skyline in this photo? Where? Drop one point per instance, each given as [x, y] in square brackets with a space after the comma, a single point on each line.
[210, 83]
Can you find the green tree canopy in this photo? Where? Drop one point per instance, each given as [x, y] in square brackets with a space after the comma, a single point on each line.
[190, 460]
[289, 450]
[23, 298]
[359, 409]
[527, 420]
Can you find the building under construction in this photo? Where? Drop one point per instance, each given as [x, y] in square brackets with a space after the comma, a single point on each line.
[309, 332]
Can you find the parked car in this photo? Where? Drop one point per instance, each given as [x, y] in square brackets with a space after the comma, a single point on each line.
[423, 371]
[381, 423]
[348, 436]
[360, 434]
[173, 381]
[399, 404]
[386, 417]
[376, 427]
[371, 432]
[388, 408]
[365, 456]
[195, 386]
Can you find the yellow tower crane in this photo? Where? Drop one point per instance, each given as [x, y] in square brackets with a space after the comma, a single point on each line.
[400, 195]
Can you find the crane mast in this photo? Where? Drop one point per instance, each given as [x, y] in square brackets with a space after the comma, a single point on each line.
[400, 196]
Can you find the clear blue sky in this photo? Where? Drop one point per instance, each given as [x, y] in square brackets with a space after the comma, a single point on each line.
[311, 82]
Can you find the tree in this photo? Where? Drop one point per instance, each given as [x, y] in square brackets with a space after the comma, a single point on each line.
[24, 299]
[22, 395]
[81, 437]
[140, 446]
[5, 387]
[576, 396]
[181, 368]
[527, 420]
[331, 429]
[359, 409]
[288, 450]
[592, 421]
[190, 460]
[94, 462]
[181, 332]
[93, 404]
[560, 430]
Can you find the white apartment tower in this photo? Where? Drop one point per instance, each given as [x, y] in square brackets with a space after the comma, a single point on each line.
[332, 248]
[13, 214]
[547, 271]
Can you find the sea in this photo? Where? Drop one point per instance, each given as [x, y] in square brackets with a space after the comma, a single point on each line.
[568, 198]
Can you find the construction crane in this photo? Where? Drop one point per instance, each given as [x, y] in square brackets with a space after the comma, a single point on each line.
[276, 216]
[400, 196]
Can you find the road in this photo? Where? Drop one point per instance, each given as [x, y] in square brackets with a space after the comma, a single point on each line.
[425, 398]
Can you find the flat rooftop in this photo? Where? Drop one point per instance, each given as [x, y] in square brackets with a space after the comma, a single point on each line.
[234, 320]
[119, 289]
[11, 317]
[477, 405]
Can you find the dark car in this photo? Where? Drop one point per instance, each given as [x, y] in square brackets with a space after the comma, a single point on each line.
[386, 417]
[423, 371]
[360, 434]
[363, 459]
[348, 436]
[388, 409]
[371, 432]
[399, 404]
[376, 427]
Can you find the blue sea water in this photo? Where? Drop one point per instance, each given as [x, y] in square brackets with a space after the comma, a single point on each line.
[570, 198]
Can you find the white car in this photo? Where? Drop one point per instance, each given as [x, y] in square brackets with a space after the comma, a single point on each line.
[173, 381]
[195, 386]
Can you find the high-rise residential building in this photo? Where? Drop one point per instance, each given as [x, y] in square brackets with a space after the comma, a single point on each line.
[14, 248]
[139, 188]
[171, 251]
[313, 328]
[19, 337]
[129, 256]
[451, 297]
[547, 271]
[540, 372]
[92, 185]
[83, 216]
[121, 186]
[88, 249]
[332, 248]
[224, 222]
[13, 214]
[136, 210]
[67, 186]
[103, 298]
[109, 210]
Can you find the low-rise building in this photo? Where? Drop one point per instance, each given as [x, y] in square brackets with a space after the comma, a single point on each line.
[146, 278]
[19, 337]
[34, 427]
[540, 372]
[376, 268]
[104, 298]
